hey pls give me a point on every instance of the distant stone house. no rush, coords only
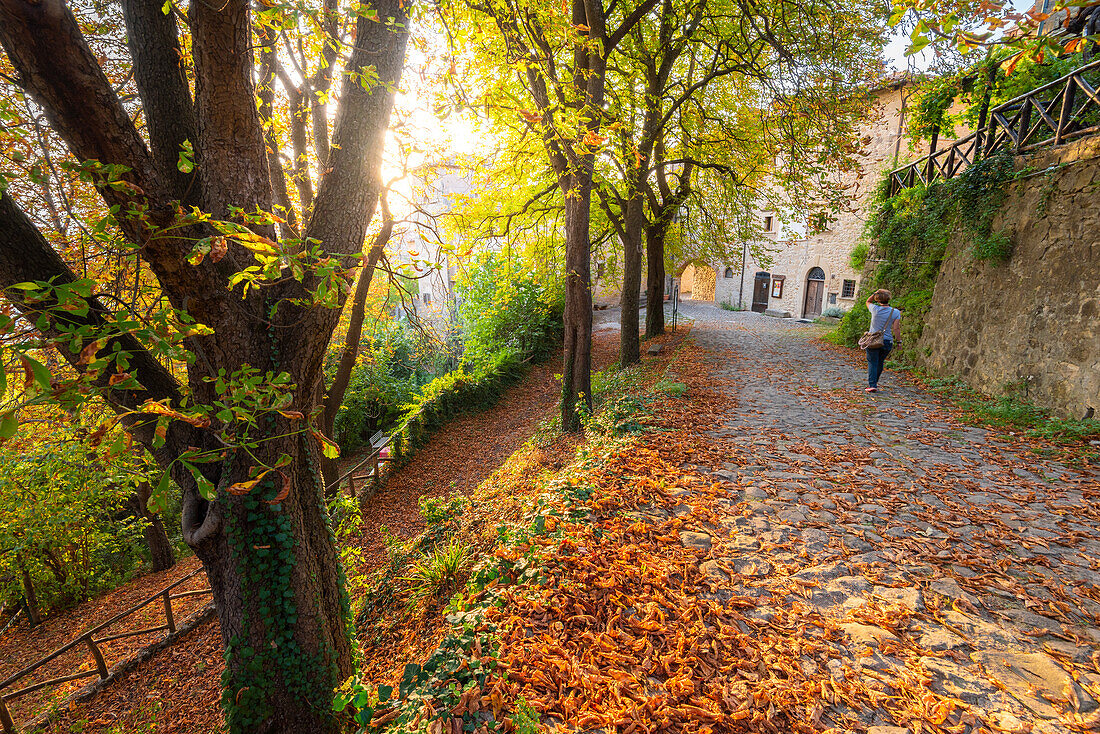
(810, 270)
(416, 242)
(808, 267)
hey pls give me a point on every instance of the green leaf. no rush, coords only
(340, 701)
(9, 424)
(160, 433)
(206, 487)
(186, 162)
(917, 46)
(40, 373)
(328, 448)
(384, 693)
(364, 716)
(158, 499)
(82, 287)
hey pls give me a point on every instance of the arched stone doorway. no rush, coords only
(815, 293)
(698, 282)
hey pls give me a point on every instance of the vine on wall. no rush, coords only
(907, 237)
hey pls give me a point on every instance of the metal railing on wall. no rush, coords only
(1057, 112)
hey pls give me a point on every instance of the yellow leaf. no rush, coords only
(246, 486)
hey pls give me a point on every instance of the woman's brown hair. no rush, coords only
(881, 296)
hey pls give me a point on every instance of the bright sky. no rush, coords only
(894, 52)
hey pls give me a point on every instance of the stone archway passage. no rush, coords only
(815, 293)
(698, 282)
(706, 281)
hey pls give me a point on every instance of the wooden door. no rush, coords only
(760, 292)
(815, 293)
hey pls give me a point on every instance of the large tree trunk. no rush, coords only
(655, 282)
(266, 545)
(161, 554)
(576, 376)
(629, 348)
(279, 591)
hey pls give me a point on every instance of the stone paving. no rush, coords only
(841, 499)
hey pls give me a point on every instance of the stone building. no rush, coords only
(803, 273)
(804, 268)
(418, 241)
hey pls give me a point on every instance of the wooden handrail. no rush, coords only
(1015, 123)
(87, 638)
(370, 458)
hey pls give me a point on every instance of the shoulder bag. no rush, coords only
(876, 339)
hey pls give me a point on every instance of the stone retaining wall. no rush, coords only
(1033, 321)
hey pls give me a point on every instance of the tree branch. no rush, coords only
(165, 97)
(26, 256)
(231, 153)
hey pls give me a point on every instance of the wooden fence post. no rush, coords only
(100, 663)
(1023, 119)
(5, 718)
(931, 170)
(1068, 98)
(168, 612)
(990, 138)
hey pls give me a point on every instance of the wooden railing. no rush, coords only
(378, 442)
(1055, 113)
(88, 639)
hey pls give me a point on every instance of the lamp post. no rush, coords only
(741, 290)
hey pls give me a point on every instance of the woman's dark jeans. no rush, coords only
(876, 358)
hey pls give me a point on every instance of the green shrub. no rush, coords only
(860, 253)
(525, 720)
(509, 319)
(59, 521)
(675, 389)
(853, 325)
(501, 309)
(440, 573)
(440, 510)
(1013, 410)
(393, 364)
(908, 235)
(469, 388)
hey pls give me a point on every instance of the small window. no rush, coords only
(832, 299)
(849, 289)
(729, 272)
(768, 223)
(427, 298)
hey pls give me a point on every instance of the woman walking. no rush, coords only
(886, 319)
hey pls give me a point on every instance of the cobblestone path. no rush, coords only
(868, 507)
